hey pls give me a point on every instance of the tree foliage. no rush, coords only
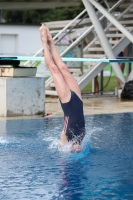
(38, 16)
(46, 15)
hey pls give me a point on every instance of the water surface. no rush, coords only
(33, 167)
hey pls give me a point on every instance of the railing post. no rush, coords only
(101, 82)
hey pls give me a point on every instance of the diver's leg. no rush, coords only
(63, 139)
(69, 79)
(60, 84)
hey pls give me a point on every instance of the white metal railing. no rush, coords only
(90, 29)
(112, 20)
(108, 26)
(81, 37)
(60, 32)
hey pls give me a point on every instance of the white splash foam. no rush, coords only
(54, 143)
(66, 148)
(49, 139)
(3, 141)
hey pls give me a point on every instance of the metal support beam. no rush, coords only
(130, 77)
(112, 20)
(104, 42)
(89, 29)
(107, 4)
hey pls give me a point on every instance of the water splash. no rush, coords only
(3, 141)
(53, 142)
(85, 150)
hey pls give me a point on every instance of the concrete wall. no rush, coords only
(2, 96)
(19, 39)
(22, 96)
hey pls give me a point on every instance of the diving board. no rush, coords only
(12, 59)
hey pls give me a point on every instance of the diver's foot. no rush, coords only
(49, 36)
(43, 33)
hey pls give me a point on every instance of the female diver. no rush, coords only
(68, 92)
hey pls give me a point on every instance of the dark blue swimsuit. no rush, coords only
(74, 123)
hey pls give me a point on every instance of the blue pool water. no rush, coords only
(33, 167)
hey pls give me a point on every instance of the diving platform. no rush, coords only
(21, 93)
(22, 96)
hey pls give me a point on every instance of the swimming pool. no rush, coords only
(33, 167)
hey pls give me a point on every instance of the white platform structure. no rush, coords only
(104, 43)
(23, 96)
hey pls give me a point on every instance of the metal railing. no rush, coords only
(82, 35)
(60, 32)
(90, 29)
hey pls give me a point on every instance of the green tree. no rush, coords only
(46, 15)
(38, 16)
